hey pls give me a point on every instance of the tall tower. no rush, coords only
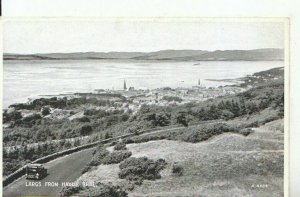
(198, 82)
(125, 88)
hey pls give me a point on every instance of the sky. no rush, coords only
(63, 36)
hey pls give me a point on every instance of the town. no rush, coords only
(164, 96)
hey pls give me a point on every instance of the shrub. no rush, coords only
(120, 146)
(245, 131)
(162, 119)
(116, 157)
(183, 119)
(12, 116)
(103, 156)
(135, 130)
(145, 138)
(107, 190)
(31, 118)
(138, 169)
(69, 191)
(86, 130)
(177, 169)
(45, 111)
(99, 155)
(252, 124)
(198, 135)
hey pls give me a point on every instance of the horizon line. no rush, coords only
(9, 53)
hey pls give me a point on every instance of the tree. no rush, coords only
(45, 149)
(29, 154)
(162, 119)
(182, 119)
(251, 107)
(5, 153)
(235, 108)
(86, 130)
(39, 149)
(243, 106)
(45, 111)
(12, 116)
(213, 112)
(226, 115)
(25, 152)
(67, 144)
(107, 135)
(221, 105)
(77, 142)
(202, 114)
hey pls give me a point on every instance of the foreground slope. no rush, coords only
(228, 164)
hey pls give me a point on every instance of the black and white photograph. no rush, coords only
(144, 107)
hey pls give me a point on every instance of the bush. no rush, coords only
(183, 119)
(177, 169)
(116, 157)
(145, 138)
(45, 111)
(69, 191)
(86, 130)
(12, 116)
(103, 156)
(245, 131)
(138, 169)
(99, 155)
(120, 146)
(106, 190)
(198, 135)
(31, 118)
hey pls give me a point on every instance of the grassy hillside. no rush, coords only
(229, 164)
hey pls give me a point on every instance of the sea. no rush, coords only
(23, 80)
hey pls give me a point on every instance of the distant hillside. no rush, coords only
(175, 55)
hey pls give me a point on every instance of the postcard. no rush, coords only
(145, 107)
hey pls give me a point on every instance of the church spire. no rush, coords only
(125, 88)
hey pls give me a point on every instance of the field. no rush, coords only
(230, 164)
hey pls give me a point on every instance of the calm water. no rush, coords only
(29, 79)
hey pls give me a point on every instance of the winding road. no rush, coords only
(64, 169)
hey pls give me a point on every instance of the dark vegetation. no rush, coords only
(105, 124)
(103, 156)
(17, 157)
(172, 98)
(106, 190)
(138, 169)
(192, 134)
(70, 191)
(177, 169)
(101, 190)
(265, 96)
(120, 146)
(35, 128)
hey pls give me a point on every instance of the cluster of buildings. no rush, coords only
(171, 96)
